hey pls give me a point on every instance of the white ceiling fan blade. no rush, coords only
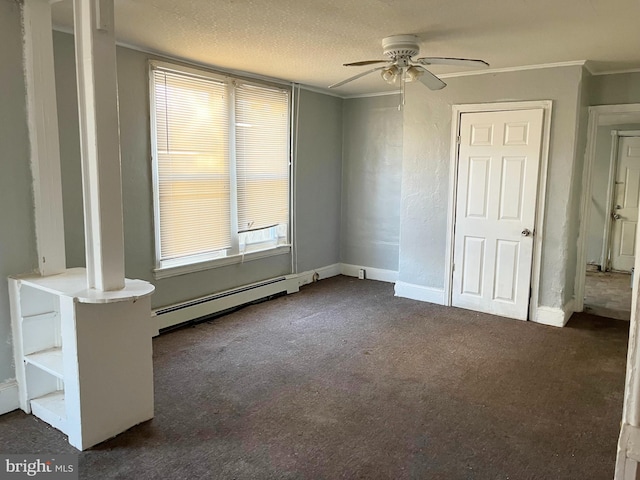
(355, 77)
(461, 62)
(429, 79)
(364, 62)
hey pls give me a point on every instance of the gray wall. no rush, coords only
(615, 89)
(600, 179)
(425, 176)
(17, 235)
(372, 174)
(319, 174)
(320, 143)
(68, 129)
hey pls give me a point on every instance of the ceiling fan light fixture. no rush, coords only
(390, 74)
(400, 66)
(413, 74)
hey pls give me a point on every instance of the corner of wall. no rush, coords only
(311, 276)
(370, 273)
(554, 317)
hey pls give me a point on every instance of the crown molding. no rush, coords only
(580, 63)
(366, 95)
(616, 72)
(319, 90)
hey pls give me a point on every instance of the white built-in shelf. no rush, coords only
(115, 390)
(73, 283)
(51, 408)
(49, 360)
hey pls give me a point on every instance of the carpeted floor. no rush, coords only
(342, 380)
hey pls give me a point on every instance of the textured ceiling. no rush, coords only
(307, 41)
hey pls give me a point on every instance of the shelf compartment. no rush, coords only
(40, 316)
(49, 360)
(40, 332)
(35, 302)
(51, 409)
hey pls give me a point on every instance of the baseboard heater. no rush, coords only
(219, 302)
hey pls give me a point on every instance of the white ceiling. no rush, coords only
(307, 41)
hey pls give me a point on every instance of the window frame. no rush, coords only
(199, 262)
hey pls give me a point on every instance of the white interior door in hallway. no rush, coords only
(498, 170)
(625, 213)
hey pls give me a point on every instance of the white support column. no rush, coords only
(43, 136)
(100, 142)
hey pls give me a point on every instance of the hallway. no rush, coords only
(608, 294)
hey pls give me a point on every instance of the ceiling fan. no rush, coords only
(400, 66)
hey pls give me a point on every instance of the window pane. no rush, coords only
(262, 156)
(192, 161)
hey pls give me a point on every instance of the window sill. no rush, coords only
(166, 272)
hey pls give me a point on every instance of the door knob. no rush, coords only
(526, 232)
(616, 216)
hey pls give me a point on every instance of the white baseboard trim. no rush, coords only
(304, 278)
(329, 271)
(9, 397)
(555, 317)
(371, 273)
(418, 292)
(307, 277)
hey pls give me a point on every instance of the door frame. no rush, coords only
(599, 115)
(613, 172)
(457, 111)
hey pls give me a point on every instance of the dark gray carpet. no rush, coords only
(342, 380)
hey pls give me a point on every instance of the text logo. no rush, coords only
(51, 467)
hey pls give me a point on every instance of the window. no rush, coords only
(221, 167)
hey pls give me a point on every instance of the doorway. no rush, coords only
(608, 283)
(611, 192)
(626, 193)
(496, 269)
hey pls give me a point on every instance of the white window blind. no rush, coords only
(221, 167)
(262, 146)
(192, 149)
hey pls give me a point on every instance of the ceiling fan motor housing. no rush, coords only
(400, 46)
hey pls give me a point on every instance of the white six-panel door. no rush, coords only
(625, 214)
(497, 185)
